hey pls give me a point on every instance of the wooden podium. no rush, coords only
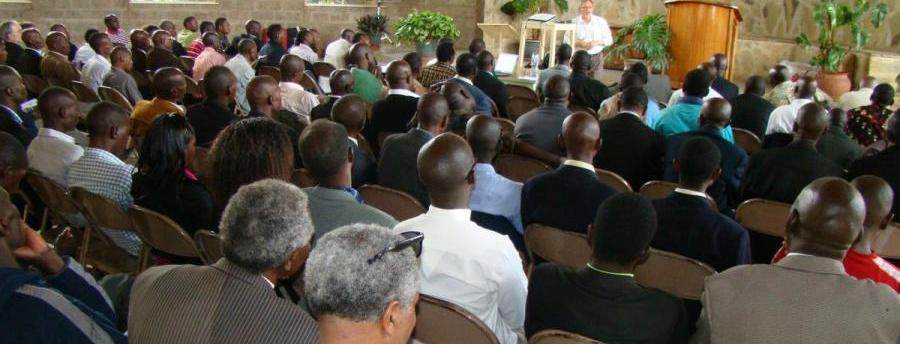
(496, 33)
(700, 28)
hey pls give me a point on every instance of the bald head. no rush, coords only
(710, 69)
(805, 88)
(32, 38)
(811, 123)
(359, 55)
(292, 68)
(58, 108)
(169, 84)
(755, 85)
(57, 42)
(140, 39)
(350, 111)
(826, 218)
(483, 135)
(324, 148)
(12, 90)
(211, 39)
(581, 136)
(717, 112)
(399, 74)
(459, 99)
(556, 90)
(432, 113)
(162, 39)
(263, 94)
(878, 198)
(444, 165)
(341, 82)
(103, 116)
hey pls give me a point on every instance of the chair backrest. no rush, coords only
(33, 83)
(54, 82)
(193, 88)
(439, 321)
(889, 247)
(614, 180)
(272, 71)
(323, 68)
(516, 107)
(52, 194)
(84, 94)
(577, 107)
(209, 244)
(557, 245)
(114, 96)
(188, 61)
(560, 337)
(519, 168)
(309, 83)
(161, 233)
(302, 179)
(657, 189)
(200, 165)
(101, 211)
(519, 91)
(674, 274)
(506, 126)
(746, 140)
(764, 216)
(394, 202)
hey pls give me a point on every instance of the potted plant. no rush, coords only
(647, 38)
(514, 7)
(829, 16)
(374, 25)
(425, 29)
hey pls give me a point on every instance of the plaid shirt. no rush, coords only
(436, 73)
(104, 174)
(866, 124)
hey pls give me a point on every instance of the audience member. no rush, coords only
(210, 56)
(12, 94)
(860, 97)
(366, 84)
(592, 34)
(563, 55)
(241, 66)
(476, 46)
(170, 87)
(462, 106)
(176, 46)
(711, 72)
(394, 113)
(55, 64)
(196, 47)
(302, 47)
(266, 232)
(29, 61)
(825, 221)
(415, 64)
(542, 126)
(293, 97)
(782, 118)
(223, 29)
(601, 300)
(117, 36)
(252, 29)
(489, 84)
(630, 148)
(884, 164)
(443, 69)
(568, 197)
(13, 164)
(12, 37)
(336, 52)
(835, 144)
(119, 77)
(211, 116)
(270, 53)
(163, 55)
(726, 88)
(780, 85)
(750, 110)
(633, 77)
(98, 66)
(189, 33)
(683, 116)
(140, 46)
(341, 84)
(493, 194)
(53, 150)
(350, 112)
(586, 91)
(85, 53)
(466, 71)
(264, 96)
(866, 124)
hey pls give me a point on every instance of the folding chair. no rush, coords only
(439, 321)
(582, 108)
(746, 140)
(889, 247)
(557, 245)
(614, 180)
(193, 88)
(764, 216)
(396, 203)
(272, 71)
(519, 91)
(209, 244)
(657, 189)
(323, 68)
(160, 233)
(506, 126)
(59, 207)
(84, 94)
(516, 107)
(188, 61)
(674, 274)
(104, 213)
(309, 83)
(519, 168)
(560, 337)
(34, 84)
(114, 96)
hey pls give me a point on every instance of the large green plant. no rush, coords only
(372, 24)
(829, 16)
(424, 27)
(650, 36)
(514, 7)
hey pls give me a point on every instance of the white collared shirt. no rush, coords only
(297, 100)
(782, 118)
(676, 96)
(52, 152)
(596, 29)
(84, 54)
(354, 140)
(268, 281)
(336, 52)
(496, 195)
(855, 99)
(464, 79)
(799, 254)
(304, 52)
(473, 267)
(402, 92)
(243, 72)
(580, 164)
(692, 193)
(94, 71)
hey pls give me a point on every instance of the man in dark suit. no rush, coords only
(750, 110)
(466, 70)
(487, 82)
(350, 111)
(270, 54)
(29, 61)
(341, 83)
(12, 37)
(215, 112)
(836, 145)
(780, 174)
(885, 164)
(140, 44)
(55, 63)
(252, 29)
(630, 148)
(714, 116)
(726, 88)
(397, 168)
(568, 197)
(541, 127)
(162, 54)
(688, 224)
(393, 113)
(176, 47)
(601, 300)
(586, 91)
(12, 93)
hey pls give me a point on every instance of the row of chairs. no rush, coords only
(520, 168)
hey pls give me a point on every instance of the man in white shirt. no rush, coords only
(53, 151)
(592, 33)
(860, 97)
(293, 97)
(781, 121)
(464, 263)
(302, 48)
(243, 71)
(85, 53)
(336, 52)
(97, 67)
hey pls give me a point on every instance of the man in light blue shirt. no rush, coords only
(684, 115)
(563, 55)
(493, 194)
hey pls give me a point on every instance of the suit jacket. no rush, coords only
(630, 149)
(886, 165)
(29, 62)
(800, 299)
(9, 125)
(332, 208)
(482, 101)
(612, 309)
(689, 226)
(838, 147)
(726, 190)
(13, 51)
(587, 91)
(270, 54)
(145, 112)
(726, 88)
(780, 174)
(139, 57)
(365, 167)
(566, 198)
(323, 110)
(751, 112)
(208, 119)
(397, 168)
(495, 89)
(541, 127)
(56, 65)
(178, 49)
(159, 58)
(390, 115)
(219, 303)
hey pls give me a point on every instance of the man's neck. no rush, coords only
(221, 101)
(342, 180)
(451, 200)
(611, 267)
(334, 330)
(400, 86)
(863, 246)
(587, 158)
(102, 145)
(699, 188)
(431, 130)
(268, 111)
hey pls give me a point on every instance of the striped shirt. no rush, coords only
(119, 37)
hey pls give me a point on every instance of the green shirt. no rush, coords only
(185, 37)
(367, 86)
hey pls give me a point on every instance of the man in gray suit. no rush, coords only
(807, 296)
(397, 168)
(266, 231)
(542, 127)
(333, 202)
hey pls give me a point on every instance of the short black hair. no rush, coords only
(245, 45)
(95, 39)
(634, 96)
(207, 26)
(640, 70)
(698, 158)
(755, 85)
(324, 148)
(220, 21)
(883, 94)
(217, 80)
(414, 61)
(623, 228)
(12, 152)
(630, 79)
(445, 51)
(273, 30)
(581, 61)
(151, 28)
(187, 20)
(90, 32)
(108, 18)
(563, 53)
(485, 60)
(301, 36)
(696, 83)
(466, 64)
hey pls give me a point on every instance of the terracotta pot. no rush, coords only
(835, 84)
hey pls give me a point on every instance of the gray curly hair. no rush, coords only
(263, 223)
(340, 281)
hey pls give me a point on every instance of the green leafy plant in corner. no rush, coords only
(373, 24)
(514, 7)
(829, 16)
(650, 36)
(422, 27)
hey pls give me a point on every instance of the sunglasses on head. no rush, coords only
(410, 240)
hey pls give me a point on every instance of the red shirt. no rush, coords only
(864, 266)
(196, 48)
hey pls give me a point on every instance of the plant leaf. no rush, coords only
(878, 14)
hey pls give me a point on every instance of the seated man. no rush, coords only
(493, 194)
(55, 63)
(711, 71)
(462, 106)
(586, 91)
(443, 69)
(161, 55)
(341, 83)
(466, 71)
(98, 66)
(397, 167)
(210, 55)
(169, 86)
(357, 297)
(366, 84)
(270, 54)
(336, 51)
(781, 121)
(394, 113)
(884, 164)
(263, 96)
(688, 224)
(568, 197)
(465, 264)
(53, 150)
(240, 66)
(266, 230)
(542, 126)
(293, 97)
(630, 148)
(119, 77)
(13, 120)
(59, 303)
(866, 124)
(630, 78)
(350, 112)
(836, 145)
(726, 88)
(601, 300)
(29, 61)
(333, 202)
(214, 113)
(807, 294)
(750, 110)
(490, 84)
(563, 57)
(683, 116)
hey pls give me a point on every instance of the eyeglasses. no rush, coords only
(410, 240)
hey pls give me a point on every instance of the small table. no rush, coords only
(552, 28)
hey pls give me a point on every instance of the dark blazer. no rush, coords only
(190, 207)
(500, 225)
(587, 91)
(689, 226)
(208, 119)
(482, 101)
(29, 62)
(178, 49)
(390, 115)
(73, 50)
(397, 168)
(780, 174)
(838, 147)
(495, 89)
(139, 57)
(751, 112)
(612, 309)
(726, 88)
(159, 58)
(726, 190)
(270, 54)
(233, 49)
(365, 168)
(886, 165)
(566, 198)
(777, 140)
(9, 125)
(631, 149)
(323, 110)
(12, 54)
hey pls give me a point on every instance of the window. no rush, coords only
(175, 2)
(342, 3)
(15, 1)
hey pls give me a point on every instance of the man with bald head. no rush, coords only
(726, 88)
(884, 164)
(29, 61)
(860, 97)
(341, 83)
(169, 86)
(782, 118)
(210, 56)
(241, 66)
(462, 106)
(836, 145)
(362, 66)
(119, 76)
(264, 96)
(397, 167)
(13, 120)
(53, 150)
(866, 124)
(630, 148)
(780, 85)
(215, 113)
(393, 113)
(586, 91)
(568, 197)
(493, 194)
(750, 110)
(162, 54)
(55, 63)
(541, 127)
(808, 294)
(465, 264)
(293, 97)
(350, 112)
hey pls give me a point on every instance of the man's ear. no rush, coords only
(645, 255)
(390, 317)
(716, 174)
(882, 226)
(599, 143)
(590, 235)
(350, 153)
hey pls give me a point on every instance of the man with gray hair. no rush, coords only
(12, 38)
(266, 230)
(362, 283)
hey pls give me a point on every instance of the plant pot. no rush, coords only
(427, 48)
(375, 39)
(834, 84)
